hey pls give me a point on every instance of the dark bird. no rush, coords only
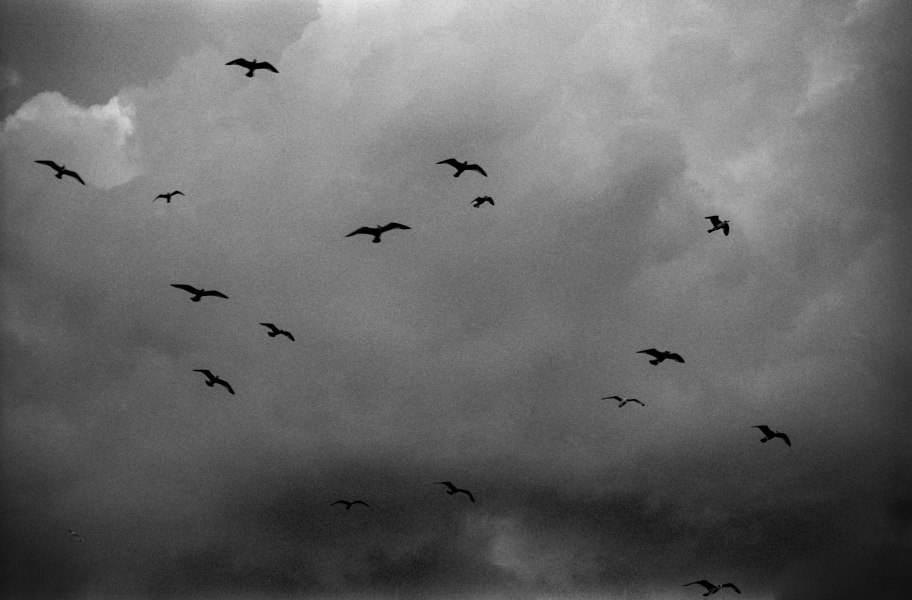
(717, 224)
(660, 355)
(770, 434)
(252, 66)
(462, 166)
(167, 197)
(623, 401)
(348, 504)
(711, 588)
(378, 230)
(198, 294)
(274, 331)
(61, 171)
(481, 200)
(455, 490)
(213, 379)
(73, 534)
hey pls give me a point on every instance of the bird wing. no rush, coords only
(448, 484)
(165, 196)
(360, 502)
(270, 326)
(651, 352)
(392, 225)
(613, 398)
(185, 287)
(224, 383)
(725, 229)
(74, 175)
(285, 333)
(205, 372)
(175, 192)
(49, 163)
(702, 582)
(469, 494)
(785, 438)
(765, 429)
(731, 585)
(714, 220)
(476, 168)
(637, 401)
(341, 502)
(240, 61)
(452, 162)
(367, 230)
(266, 65)
(673, 356)
(215, 293)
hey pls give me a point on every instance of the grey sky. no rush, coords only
(476, 346)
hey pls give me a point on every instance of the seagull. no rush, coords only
(198, 294)
(623, 401)
(213, 379)
(348, 504)
(61, 170)
(770, 434)
(75, 535)
(712, 588)
(274, 331)
(462, 166)
(717, 224)
(252, 66)
(455, 490)
(167, 197)
(660, 355)
(481, 200)
(378, 230)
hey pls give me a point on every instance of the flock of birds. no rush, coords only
(212, 380)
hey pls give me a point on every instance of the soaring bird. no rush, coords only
(378, 230)
(73, 534)
(61, 170)
(660, 355)
(481, 200)
(717, 224)
(455, 490)
(252, 65)
(712, 588)
(167, 197)
(274, 331)
(197, 293)
(348, 504)
(770, 434)
(623, 401)
(462, 166)
(213, 379)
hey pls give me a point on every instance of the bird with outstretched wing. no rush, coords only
(61, 170)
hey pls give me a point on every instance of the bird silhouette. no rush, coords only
(73, 534)
(712, 588)
(167, 197)
(481, 200)
(455, 490)
(378, 230)
(660, 355)
(348, 504)
(717, 224)
(274, 331)
(770, 434)
(462, 166)
(623, 401)
(61, 170)
(252, 65)
(198, 293)
(213, 379)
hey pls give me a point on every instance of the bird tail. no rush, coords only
(765, 440)
(250, 73)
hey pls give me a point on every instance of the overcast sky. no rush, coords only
(475, 347)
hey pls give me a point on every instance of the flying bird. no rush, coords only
(61, 170)
(73, 534)
(213, 379)
(378, 230)
(481, 200)
(348, 504)
(274, 331)
(167, 197)
(455, 490)
(717, 224)
(660, 355)
(770, 434)
(197, 293)
(623, 401)
(252, 65)
(462, 166)
(712, 588)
